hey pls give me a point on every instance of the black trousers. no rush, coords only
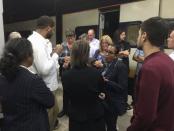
(89, 125)
(65, 103)
(111, 120)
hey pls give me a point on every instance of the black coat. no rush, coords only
(24, 102)
(82, 87)
(117, 74)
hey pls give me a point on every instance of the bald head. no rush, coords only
(14, 35)
(91, 34)
(171, 40)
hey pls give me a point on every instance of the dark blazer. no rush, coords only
(82, 87)
(117, 74)
(24, 102)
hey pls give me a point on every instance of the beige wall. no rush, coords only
(83, 18)
(2, 28)
(139, 11)
(167, 9)
(20, 26)
(25, 25)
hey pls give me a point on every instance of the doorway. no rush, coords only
(109, 22)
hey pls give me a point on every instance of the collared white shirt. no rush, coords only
(94, 45)
(172, 55)
(26, 69)
(44, 65)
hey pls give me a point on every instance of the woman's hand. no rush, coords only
(105, 79)
(102, 96)
(98, 64)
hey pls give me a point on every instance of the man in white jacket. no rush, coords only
(45, 63)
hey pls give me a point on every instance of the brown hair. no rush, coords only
(80, 54)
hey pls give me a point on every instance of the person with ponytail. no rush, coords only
(24, 96)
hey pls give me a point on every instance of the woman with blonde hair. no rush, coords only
(100, 54)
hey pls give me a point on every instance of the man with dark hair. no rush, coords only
(155, 86)
(46, 25)
(45, 64)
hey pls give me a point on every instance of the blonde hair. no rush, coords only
(107, 39)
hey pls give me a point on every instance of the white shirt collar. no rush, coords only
(26, 69)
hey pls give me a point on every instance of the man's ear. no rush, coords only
(144, 36)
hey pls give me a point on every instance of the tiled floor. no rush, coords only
(123, 121)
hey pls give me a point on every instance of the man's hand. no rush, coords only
(58, 49)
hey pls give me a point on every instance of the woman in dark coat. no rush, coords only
(115, 76)
(24, 95)
(83, 86)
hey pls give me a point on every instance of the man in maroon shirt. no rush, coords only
(154, 103)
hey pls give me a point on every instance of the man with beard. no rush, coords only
(45, 63)
(155, 86)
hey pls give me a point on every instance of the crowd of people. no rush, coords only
(94, 75)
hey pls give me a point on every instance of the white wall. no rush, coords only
(83, 18)
(139, 11)
(167, 9)
(25, 26)
(2, 29)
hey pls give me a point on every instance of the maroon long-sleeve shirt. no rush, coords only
(154, 105)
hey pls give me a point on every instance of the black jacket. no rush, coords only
(82, 87)
(24, 102)
(117, 74)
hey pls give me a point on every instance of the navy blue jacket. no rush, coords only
(24, 102)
